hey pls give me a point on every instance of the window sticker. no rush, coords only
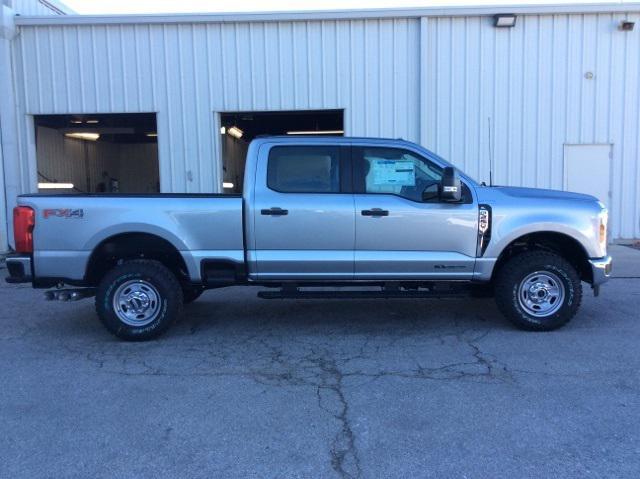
(393, 172)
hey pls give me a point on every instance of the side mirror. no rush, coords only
(450, 186)
(431, 193)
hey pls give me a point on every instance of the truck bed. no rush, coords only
(70, 226)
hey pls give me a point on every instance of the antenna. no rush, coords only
(490, 153)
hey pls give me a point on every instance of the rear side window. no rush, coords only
(304, 169)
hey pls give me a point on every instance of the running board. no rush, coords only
(383, 294)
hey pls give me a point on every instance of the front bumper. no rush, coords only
(601, 270)
(19, 267)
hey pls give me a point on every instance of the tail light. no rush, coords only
(24, 220)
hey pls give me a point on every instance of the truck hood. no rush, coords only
(539, 193)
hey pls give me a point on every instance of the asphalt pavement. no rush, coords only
(244, 387)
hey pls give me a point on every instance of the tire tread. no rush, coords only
(162, 276)
(510, 275)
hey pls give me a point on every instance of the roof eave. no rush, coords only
(454, 11)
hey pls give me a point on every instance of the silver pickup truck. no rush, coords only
(319, 218)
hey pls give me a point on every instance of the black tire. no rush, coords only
(161, 285)
(512, 302)
(189, 295)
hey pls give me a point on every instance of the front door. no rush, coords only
(303, 213)
(403, 231)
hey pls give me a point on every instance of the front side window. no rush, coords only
(396, 171)
(304, 169)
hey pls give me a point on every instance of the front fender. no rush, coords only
(508, 228)
(506, 232)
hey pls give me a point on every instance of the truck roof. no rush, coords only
(329, 139)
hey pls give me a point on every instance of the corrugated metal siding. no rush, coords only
(440, 81)
(4, 240)
(187, 73)
(523, 92)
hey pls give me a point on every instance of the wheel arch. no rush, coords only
(562, 244)
(133, 245)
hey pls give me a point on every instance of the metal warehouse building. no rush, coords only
(168, 103)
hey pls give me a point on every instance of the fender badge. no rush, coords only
(62, 213)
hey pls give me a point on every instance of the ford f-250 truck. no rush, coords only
(319, 218)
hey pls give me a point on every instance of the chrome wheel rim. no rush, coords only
(136, 303)
(541, 294)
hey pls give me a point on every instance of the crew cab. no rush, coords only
(319, 217)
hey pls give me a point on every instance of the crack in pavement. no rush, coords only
(344, 455)
(320, 362)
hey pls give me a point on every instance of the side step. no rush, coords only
(295, 293)
(69, 294)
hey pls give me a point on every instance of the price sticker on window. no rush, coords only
(393, 172)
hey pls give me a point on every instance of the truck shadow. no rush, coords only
(240, 309)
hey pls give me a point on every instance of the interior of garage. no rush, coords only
(239, 128)
(109, 153)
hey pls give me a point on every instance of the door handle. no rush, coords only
(274, 212)
(375, 212)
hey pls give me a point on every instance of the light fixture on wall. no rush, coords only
(152, 134)
(55, 186)
(315, 132)
(223, 130)
(235, 132)
(227, 186)
(627, 26)
(83, 135)
(504, 20)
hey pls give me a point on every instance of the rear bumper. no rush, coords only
(19, 267)
(601, 269)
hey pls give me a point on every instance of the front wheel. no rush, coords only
(138, 300)
(538, 291)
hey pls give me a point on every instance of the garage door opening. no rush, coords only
(239, 128)
(110, 153)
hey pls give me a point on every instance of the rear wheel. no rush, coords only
(538, 290)
(138, 300)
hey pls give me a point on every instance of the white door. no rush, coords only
(587, 169)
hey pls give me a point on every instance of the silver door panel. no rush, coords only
(314, 240)
(416, 240)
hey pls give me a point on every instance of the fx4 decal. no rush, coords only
(63, 213)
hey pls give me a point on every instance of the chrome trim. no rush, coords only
(601, 269)
(137, 303)
(541, 294)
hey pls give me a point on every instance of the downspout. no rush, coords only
(4, 227)
(7, 32)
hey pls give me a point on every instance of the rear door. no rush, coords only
(303, 213)
(401, 234)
